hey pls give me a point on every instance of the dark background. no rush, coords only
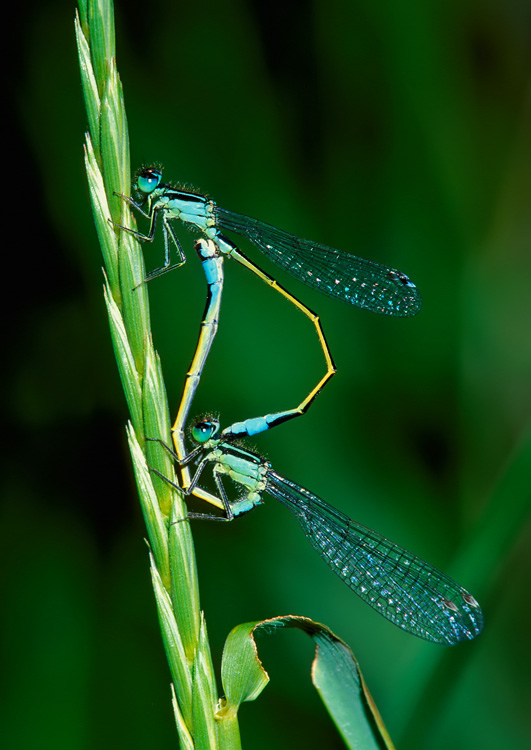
(395, 131)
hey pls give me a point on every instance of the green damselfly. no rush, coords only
(353, 280)
(409, 592)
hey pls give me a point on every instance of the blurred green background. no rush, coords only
(400, 132)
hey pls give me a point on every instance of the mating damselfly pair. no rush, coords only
(412, 594)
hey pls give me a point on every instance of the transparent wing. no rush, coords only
(406, 590)
(353, 280)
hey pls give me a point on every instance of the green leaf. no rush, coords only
(149, 501)
(101, 23)
(187, 742)
(173, 645)
(101, 213)
(125, 360)
(115, 141)
(335, 674)
(90, 86)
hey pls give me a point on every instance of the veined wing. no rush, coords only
(409, 592)
(346, 277)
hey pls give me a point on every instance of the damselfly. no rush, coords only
(353, 280)
(409, 592)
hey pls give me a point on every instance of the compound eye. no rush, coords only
(203, 431)
(148, 180)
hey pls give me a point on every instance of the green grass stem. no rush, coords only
(172, 556)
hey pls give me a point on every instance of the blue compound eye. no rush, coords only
(148, 180)
(203, 431)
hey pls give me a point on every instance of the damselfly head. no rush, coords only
(205, 430)
(148, 179)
